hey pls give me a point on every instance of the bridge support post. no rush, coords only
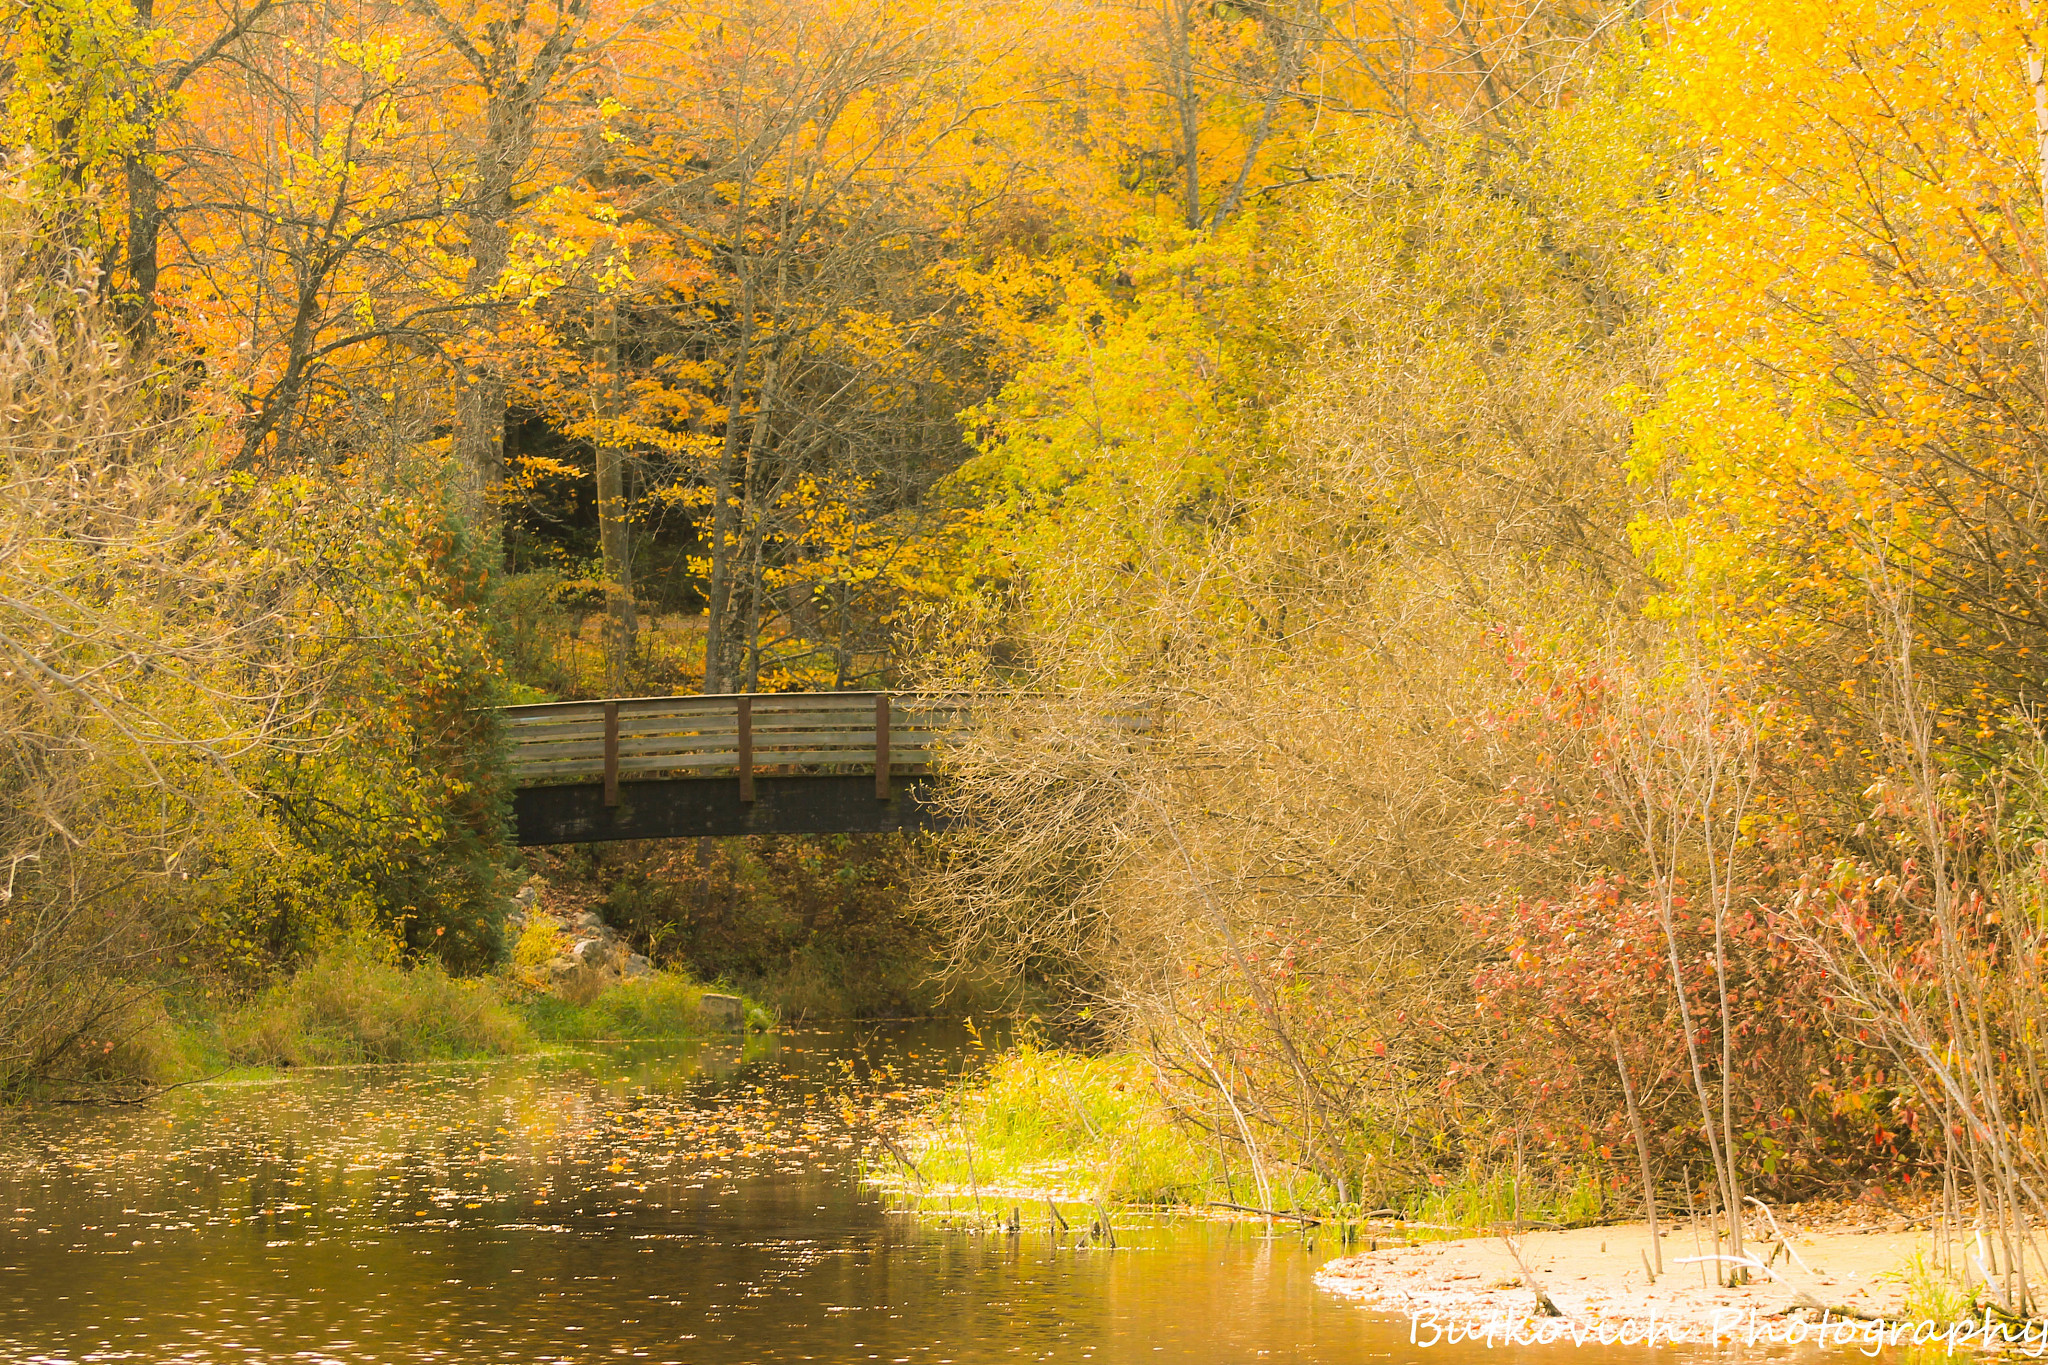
(746, 754)
(882, 747)
(611, 753)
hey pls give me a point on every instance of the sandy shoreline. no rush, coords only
(1598, 1276)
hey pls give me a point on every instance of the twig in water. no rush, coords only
(1102, 1230)
(1248, 1208)
(1303, 1218)
(902, 1158)
(153, 1092)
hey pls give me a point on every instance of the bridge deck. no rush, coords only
(740, 763)
(669, 767)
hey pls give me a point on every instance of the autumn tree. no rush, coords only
(146, 653)
(1296, 494)
(752, 316)
(1860, 383)
(512, 64)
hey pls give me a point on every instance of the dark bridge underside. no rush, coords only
(710, 807)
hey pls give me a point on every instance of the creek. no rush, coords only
(650, 1201)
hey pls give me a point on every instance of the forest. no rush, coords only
(1563, 479)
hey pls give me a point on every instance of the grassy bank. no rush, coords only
(1048, 1123)
(352, 1004)
(660, 1006)
(355, 1003)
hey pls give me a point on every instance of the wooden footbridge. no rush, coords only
(755, 763)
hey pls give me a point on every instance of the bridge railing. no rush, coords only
(706, 736)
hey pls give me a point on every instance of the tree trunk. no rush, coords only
(145, 226)
(145, 212)
(152, 95)
(480, 407)
(724, 528)
(480, 393)
(1288, 39)
(1177, 23)
(512, 103)
(621, 624)
(750, 670)
(1635, 1123)
(755, 506)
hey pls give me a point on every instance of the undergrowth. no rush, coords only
(1933, 1295)
(659, 1006)
(1045, 1119)
(1482, 1197)
(815, 926)
(356, 1001)
(1050, 1122)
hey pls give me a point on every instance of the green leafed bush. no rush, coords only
(652, 1007)
(354, 1003)
(1046, 1119)
(663, 1005)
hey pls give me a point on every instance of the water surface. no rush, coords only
(665, 1202)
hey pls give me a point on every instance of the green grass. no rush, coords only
(1483, 1198)
(353, 1003)
(658, 1006)
(1047, 1120)
(1932, 1295)
(1059, 1123)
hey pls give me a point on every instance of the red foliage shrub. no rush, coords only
(1812, 1109)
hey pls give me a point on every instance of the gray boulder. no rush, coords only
(722, 1013)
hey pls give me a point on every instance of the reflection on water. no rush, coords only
(667, 1202)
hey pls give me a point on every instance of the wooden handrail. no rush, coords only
(735, 733)
(739, 733)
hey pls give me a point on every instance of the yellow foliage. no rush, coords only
(1853, 419)
(539, 943)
